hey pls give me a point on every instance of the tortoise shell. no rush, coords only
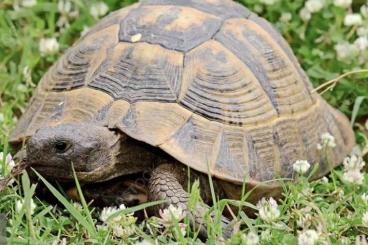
(207, 81)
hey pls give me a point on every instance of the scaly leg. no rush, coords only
(166, 183)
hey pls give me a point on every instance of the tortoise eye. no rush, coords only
(61, 146)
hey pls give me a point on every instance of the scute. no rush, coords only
(140, 72)
(173, 27)
(214, 7)
(219, 86)
(273, 68)
(80, 62)
(207, 81)
(79, 105)
(150, 122)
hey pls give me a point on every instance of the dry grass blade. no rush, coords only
(332, 83)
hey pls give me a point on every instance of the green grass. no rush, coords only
(331, 207)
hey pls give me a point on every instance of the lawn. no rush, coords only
(330, 40)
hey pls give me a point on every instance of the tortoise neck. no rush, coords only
(133, 157)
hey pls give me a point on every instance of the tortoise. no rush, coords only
(167, 87)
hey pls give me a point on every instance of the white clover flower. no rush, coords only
(364, 198)
(8, 163)
(144, 242)
(123, 232)
(286, 17)
(308, 237)
(28, 3)
(365, 219)
(361, 240)
(268, 210)
(354, 177)
(361, 43)
(19, 205)
(107, 212)
(98, 9)
(362, 31)
(252, 238)
(353, 162)
(343, 3)
(48, 46)
(327, 141)
(172, 214)
(301, 166)
(364, 10)
(67, 11)
(269, 2)
(345, 51)
(305, 14)
(353, 20)
(324, 179)
(64, 6)
(314, 6)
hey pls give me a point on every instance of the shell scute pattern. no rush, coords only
(220, 91)
(173, 27)
(213, 7)
(219, 86)
(137, 72)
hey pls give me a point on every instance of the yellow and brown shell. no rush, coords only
(207, 81)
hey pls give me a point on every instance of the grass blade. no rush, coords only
(83, 200)
(71, 209)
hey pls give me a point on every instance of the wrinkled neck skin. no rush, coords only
(132, 157)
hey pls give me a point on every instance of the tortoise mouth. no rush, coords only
(65, 175)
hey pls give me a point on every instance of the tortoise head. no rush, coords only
(90, 148)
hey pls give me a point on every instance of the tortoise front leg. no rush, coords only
(166, 183)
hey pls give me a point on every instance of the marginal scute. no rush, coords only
(76, 67)
(311, 126)
(233, 155)
(330, 120)
(270, 64)
(265, 163)
(217, 85)
(43, 109)
(20, 132)
(290, 144)
(173, 27)
(153, 122)
(214, 7)
(140, 72)
(195, 143)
